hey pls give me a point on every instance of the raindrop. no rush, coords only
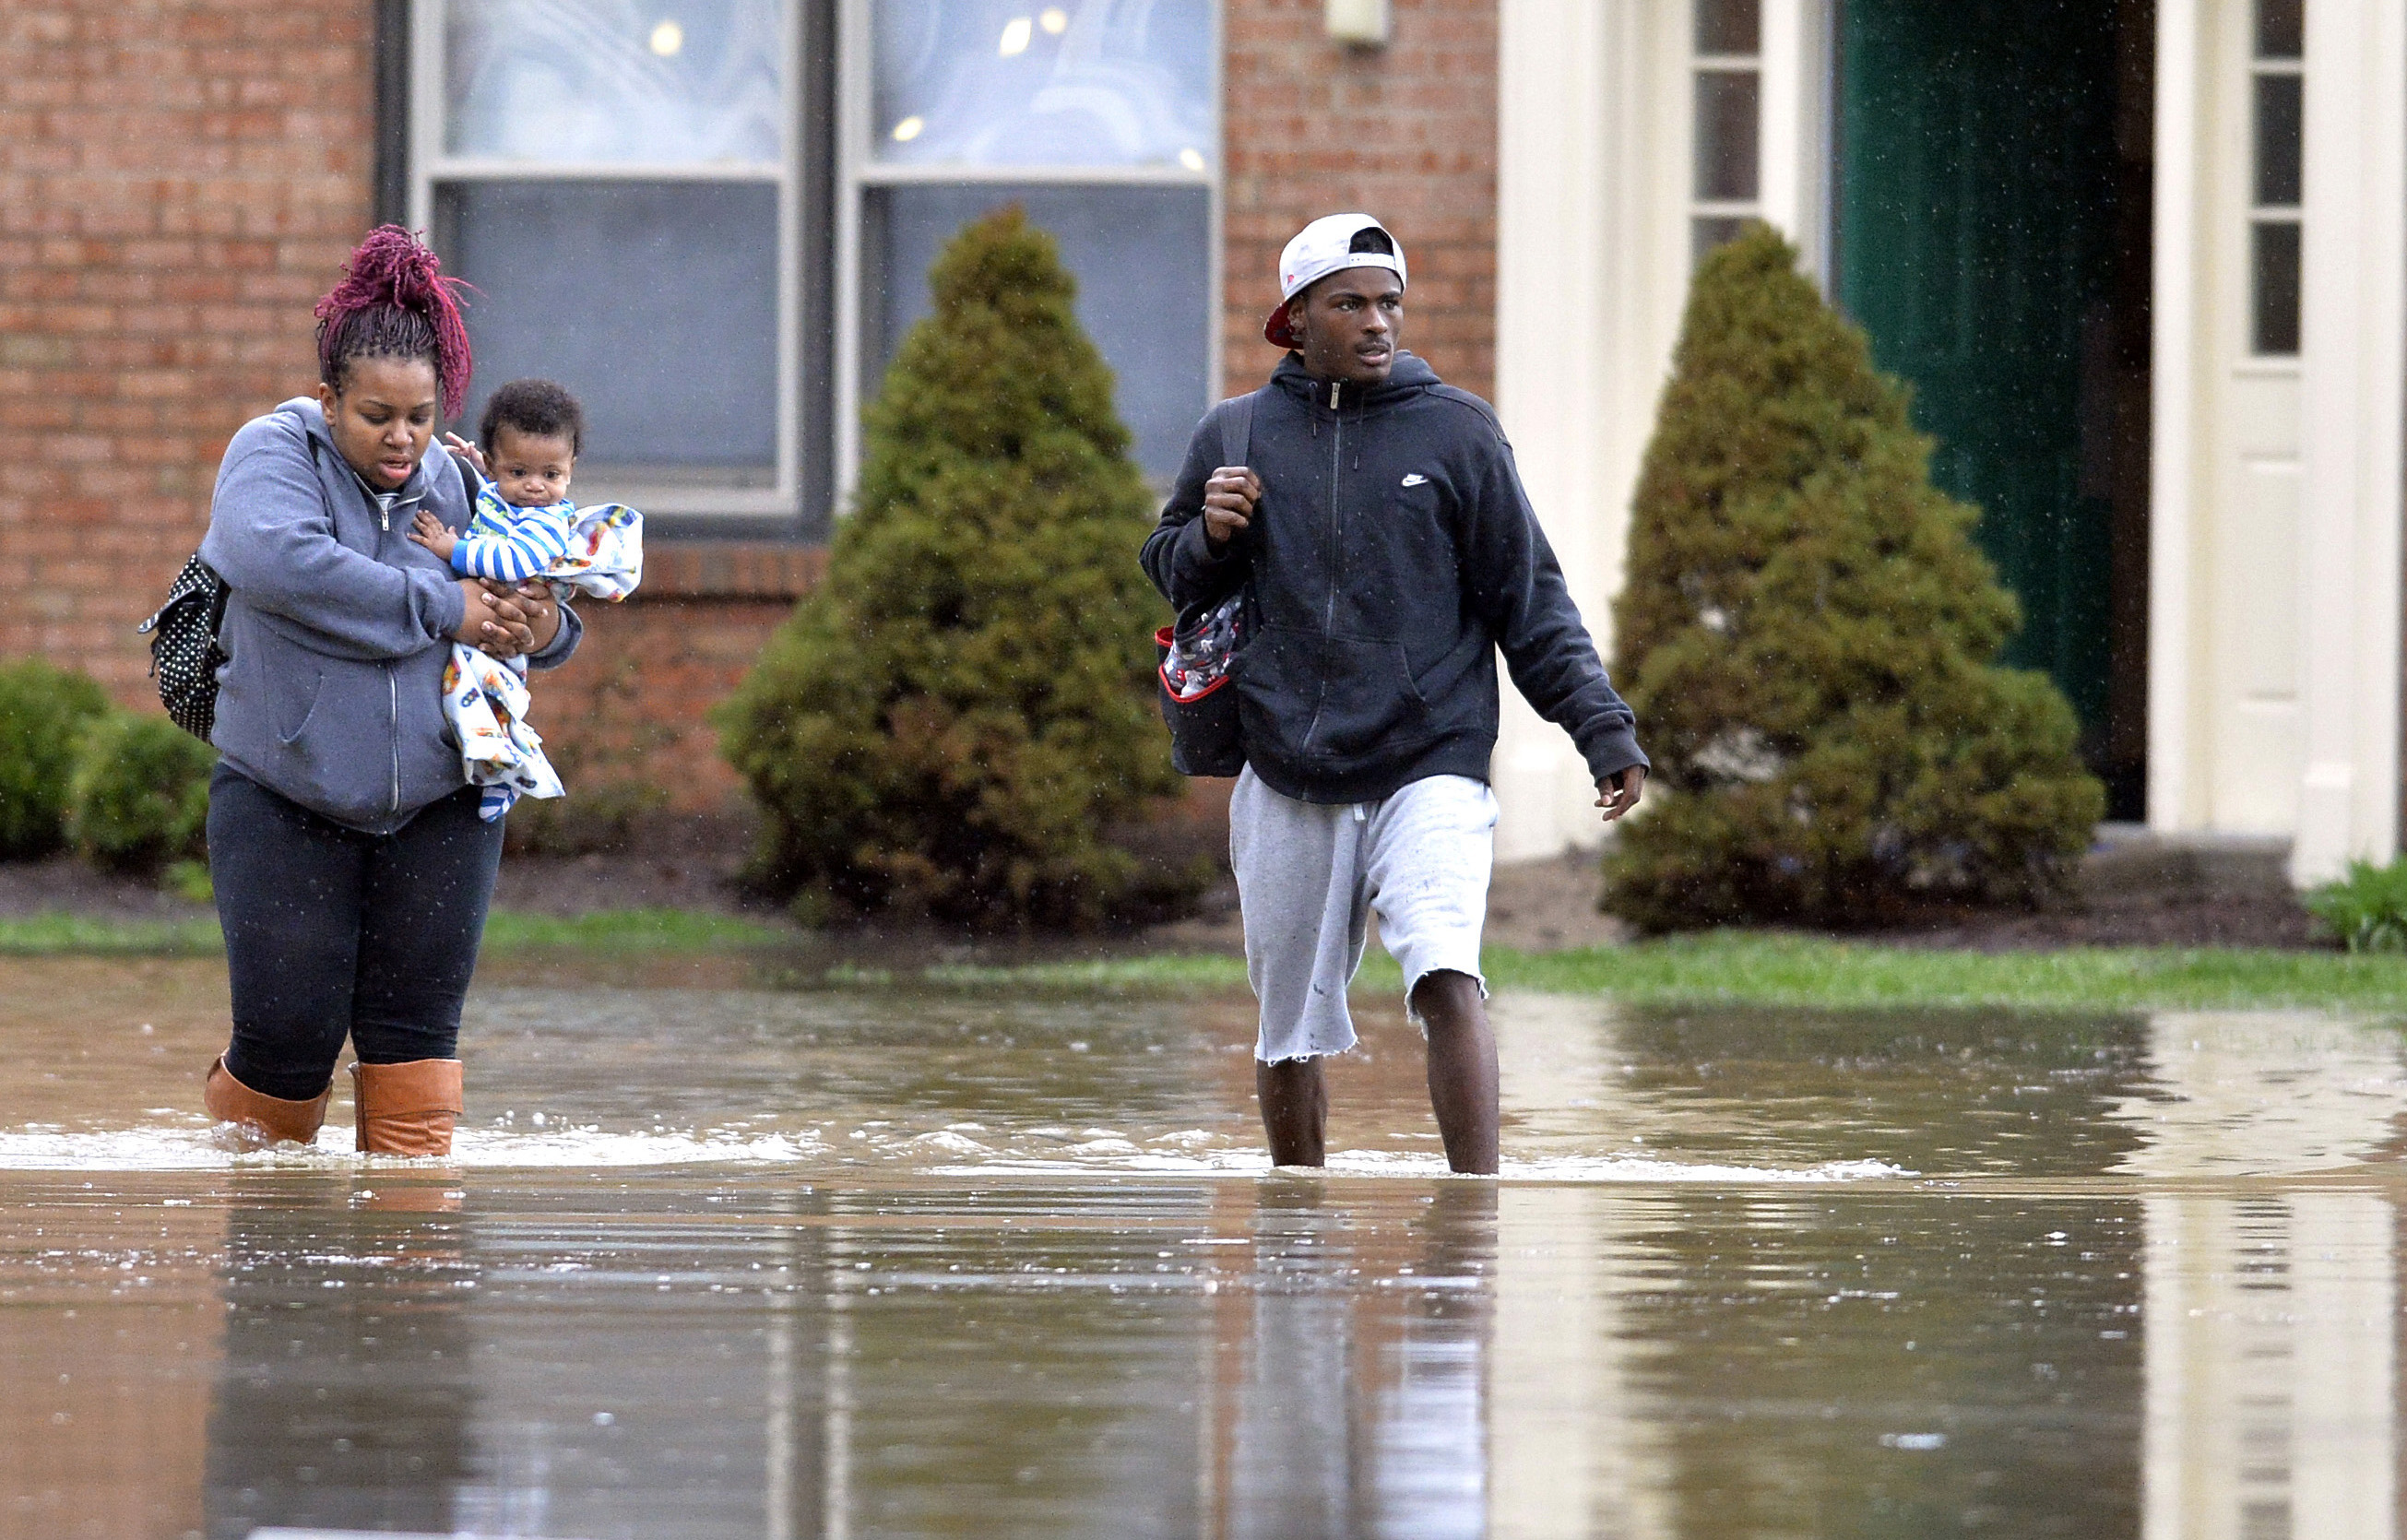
(1914, 1441)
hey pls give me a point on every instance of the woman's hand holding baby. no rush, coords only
(505, 621)
(428, 531)
(535, 602)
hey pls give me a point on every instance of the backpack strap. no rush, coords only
(1237, 428)
(1462, 398)
(468, 486)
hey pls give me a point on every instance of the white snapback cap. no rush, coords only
(1319, 248)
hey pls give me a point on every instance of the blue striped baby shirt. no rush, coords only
(511, 545)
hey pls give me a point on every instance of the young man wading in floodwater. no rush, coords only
(1392, 553)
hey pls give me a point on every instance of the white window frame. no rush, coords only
(430, 165)
(859, 172)
(1700, 66)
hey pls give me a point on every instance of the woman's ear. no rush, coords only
(327, 396)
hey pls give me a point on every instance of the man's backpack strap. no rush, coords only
(1237, 428)
(1486, 412)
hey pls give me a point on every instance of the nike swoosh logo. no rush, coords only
(1415, 479)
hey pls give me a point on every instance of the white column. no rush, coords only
(1592, 268)
(2353, 349)
(1594, 124)
(1796, 144)
(1553, 254)
(2175, 711)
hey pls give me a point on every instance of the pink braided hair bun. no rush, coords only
(394, 268)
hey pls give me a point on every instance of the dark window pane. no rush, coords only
(1726, 137)
(2274, 263)
(2280, 29)
(2279, 158)
(655, 302)
(1711, 229)
(1730, 26)
(1141, 256)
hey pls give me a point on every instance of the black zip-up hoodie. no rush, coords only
(1392, 554)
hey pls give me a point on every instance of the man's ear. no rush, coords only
(1295, 308)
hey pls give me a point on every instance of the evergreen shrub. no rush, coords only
(953, 720)
(43, 710)
(139, 797)
(1809, 637)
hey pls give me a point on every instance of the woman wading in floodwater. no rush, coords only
(351, 870)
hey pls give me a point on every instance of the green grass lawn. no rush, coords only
(1740, 967)
(1723, 968)
(1776, 970)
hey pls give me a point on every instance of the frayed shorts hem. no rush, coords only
(1301, 1057)
(1310, 877)
(1413, 1012)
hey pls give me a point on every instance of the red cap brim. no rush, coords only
(1276, 330)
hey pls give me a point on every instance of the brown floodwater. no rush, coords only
(715, 1259)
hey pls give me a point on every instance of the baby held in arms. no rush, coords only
(524, 527)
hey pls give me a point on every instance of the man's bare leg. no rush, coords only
(1461, 1068)
(1295, 1111)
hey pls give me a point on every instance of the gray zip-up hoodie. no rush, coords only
(337, 627)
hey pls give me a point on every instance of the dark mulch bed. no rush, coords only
(64, 885)
(2172, 920)
(665, 861)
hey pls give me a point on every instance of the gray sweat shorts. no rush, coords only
(1309, 875)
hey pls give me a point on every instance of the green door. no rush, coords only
(1976, 243)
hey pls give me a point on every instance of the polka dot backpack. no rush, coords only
(184, 653)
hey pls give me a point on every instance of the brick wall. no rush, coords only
(180, 179)
(635, 703)
(1407, 133)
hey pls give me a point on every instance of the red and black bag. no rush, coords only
(1196, 658)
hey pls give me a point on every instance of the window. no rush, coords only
(713, 220)
(1728, 176)
(2277, 175)
(1101, 119)
(624, 183)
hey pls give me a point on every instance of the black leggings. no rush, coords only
(332, 934)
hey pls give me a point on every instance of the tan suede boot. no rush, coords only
(408, 1109)
(260, 1120)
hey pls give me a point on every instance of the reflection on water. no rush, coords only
(742, 1262)
(2272, 1355)
(347, 1385)
(1350, 1413)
